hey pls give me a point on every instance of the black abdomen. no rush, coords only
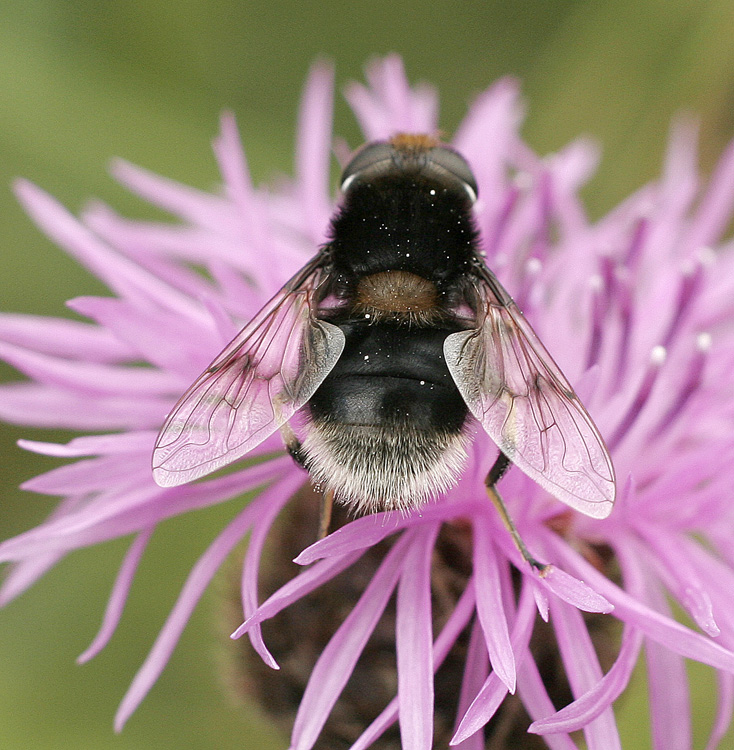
(391, 375)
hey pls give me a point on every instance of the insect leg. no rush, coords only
(293, 444)
(497, 471)
(499, 467)
(327, 502)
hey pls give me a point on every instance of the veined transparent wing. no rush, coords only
(268, 372)
(513, 387)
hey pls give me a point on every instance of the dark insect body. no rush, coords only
(394, 341)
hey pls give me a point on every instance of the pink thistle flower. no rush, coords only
(637, 310)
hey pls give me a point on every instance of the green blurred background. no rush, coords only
(83, 81)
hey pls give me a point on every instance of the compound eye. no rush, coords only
(411, 154)
(374, 157)
(455, 164)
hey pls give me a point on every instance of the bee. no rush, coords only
(392, 343)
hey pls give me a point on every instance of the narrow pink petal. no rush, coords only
(724, 709)
(63, 338)
(359, 534)
(584, 672)
(313, 151)
(253, 240)
(187, 202)
(679, 182)
(575, 591)
(113, 516)
(94, 445)
(585, 709)
(535, 698)
(178, 277)
(676, 191)
(413, 643)
(158, 247)
(91, 475)
(337, 660)
(251, 564)
(490, 608)
(663, 630)
(481, 711)
(372, 122)
(242, 302)
(493, 691)
(485, 135)
(680, 577)
(454, 626)
(160, 337)
(119, 273)
(715, 206)
(568, 171)
(577, 651)
(118, 597)
(520, 226)
(197, 581)
(680, 165)
(476, 667)
(720, 588)
(571, 168)
(369, 530)
(425, 109)
(557, 581)
(145, 505)
(408, 110)
(389, 105)
(670, 709)
(222, 320)
(233, 166)
(146, 239)
(47, 406)
(670, 703)
(719, 577)
(302, 585)
(89, 377)
(541, 601)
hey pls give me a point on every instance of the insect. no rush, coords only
(392, 343)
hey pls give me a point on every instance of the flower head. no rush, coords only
(636, 308)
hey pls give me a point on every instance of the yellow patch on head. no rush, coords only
(413, 143)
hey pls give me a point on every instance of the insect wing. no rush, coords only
(271, 368)
(513, 387)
